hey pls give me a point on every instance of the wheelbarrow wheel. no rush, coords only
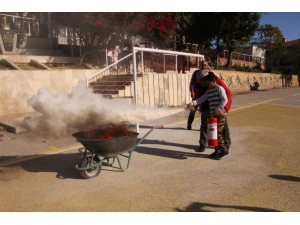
(93, 172)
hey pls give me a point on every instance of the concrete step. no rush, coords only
(58, 60)
(27, 66)
(3, 67)
(12, 123)
(110, 83)
(121, 76)
(109, 88)
(115, 86)
(107, 92)
(39, 52)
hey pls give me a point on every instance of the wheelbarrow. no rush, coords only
(112, 148)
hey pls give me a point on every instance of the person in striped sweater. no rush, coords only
(217, 99)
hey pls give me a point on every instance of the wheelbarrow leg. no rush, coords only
(107, 161)
(130, 152)
(84, 156)
(119, 161)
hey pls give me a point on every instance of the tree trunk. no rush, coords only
(217, 54)
(82, 58)
(229, 58)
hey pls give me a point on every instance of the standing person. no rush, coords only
(115, 53)
(181, 47)
(194, 91)
(217, 99)
(109, 54)
(200, 89)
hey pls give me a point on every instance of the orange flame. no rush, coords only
(109, 132)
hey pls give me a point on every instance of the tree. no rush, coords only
(96, 29)
(205, 29)
(238, 30)
(270, 38)
(157, 27)
(296, 58)
(222, 30)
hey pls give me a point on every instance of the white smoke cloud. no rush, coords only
(81, 109)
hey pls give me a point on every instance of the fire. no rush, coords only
(109, 132)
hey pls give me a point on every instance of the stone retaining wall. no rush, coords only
(171, 89)
(16, 86)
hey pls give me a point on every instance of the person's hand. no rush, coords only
(190, 107)
(220, 113)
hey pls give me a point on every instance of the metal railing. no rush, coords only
(160, 63)
(143, 60)
(106, 71)
(109, 80)
(243, 58)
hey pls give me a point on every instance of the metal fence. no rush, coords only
(243, 58)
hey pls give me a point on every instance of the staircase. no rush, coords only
(114, 85)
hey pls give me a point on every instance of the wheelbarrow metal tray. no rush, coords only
(108, 147)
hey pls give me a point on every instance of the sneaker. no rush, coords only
(189, 126)
(221, 155)
(201, 148)
(213, 155)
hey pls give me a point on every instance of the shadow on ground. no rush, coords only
(285, 177)
(63, 164)
(208, 207)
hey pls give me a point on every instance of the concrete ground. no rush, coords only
(261, 174)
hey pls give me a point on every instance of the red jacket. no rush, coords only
(228, 93)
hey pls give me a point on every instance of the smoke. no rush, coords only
(82, 109)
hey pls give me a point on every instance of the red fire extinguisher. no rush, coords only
(212, 131)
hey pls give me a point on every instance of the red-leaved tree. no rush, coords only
(157, 27)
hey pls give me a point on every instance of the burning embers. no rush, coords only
(111, 131)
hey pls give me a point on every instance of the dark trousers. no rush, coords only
(109, 60)
(203, 130)
(181, 64)
(192, 115)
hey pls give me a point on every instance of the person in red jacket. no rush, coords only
(199, 89)
(193, 82)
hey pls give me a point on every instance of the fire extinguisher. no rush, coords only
(212, 131)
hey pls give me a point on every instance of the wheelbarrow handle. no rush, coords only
(146, 135)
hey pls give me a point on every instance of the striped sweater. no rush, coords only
(216, 97)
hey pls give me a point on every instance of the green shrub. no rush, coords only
(237, 67)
